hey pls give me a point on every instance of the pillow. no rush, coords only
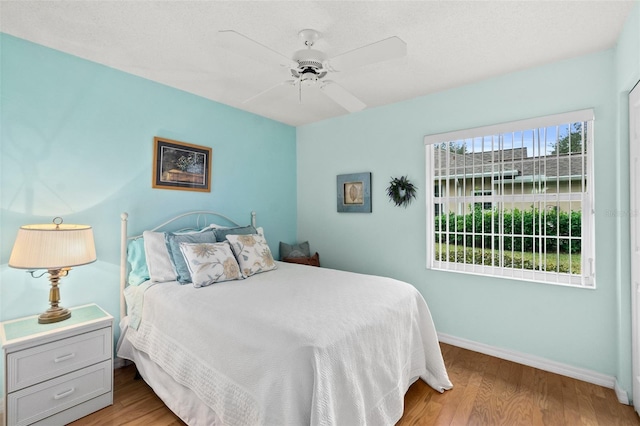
(221, 233)
(210, 263)
(253, 254)
(160, 266)
(173, 244)
(295, 250)
(216, 226)
(138, 261)
(311, 260)
(192, 230)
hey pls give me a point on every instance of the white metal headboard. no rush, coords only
(124, 238)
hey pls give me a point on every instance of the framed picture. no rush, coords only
(180, 165)
(354, 193)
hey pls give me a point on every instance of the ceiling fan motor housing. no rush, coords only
(310, 64)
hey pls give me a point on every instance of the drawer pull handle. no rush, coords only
(64, 357)
(63, 394)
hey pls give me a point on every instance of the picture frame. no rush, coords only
(354, 193)
(180, 165)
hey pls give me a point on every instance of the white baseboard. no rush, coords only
(622, 395)
(583, 374)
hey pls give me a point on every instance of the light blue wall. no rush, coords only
(77, 142)
(627, 66)
(569, 325)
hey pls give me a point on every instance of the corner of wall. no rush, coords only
(627, 74)
(621, 394)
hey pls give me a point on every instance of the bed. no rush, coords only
(286, 344)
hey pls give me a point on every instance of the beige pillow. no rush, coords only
(252, 253)
(210, 263)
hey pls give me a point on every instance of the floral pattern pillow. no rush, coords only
(210, 263)
(253, 254)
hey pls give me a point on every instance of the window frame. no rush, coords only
(586, 279)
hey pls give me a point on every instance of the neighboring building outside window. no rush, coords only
(486, 205)
(514, 200)
(437, 207)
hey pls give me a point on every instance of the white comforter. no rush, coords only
(295, 346)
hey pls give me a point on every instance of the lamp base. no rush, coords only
(55, 313)
(52, 315)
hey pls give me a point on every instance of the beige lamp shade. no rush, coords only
(53, 246)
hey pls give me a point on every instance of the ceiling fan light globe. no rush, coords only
(309, 78)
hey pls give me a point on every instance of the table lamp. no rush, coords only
(55, 247)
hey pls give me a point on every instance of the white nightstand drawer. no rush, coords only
(46, 399)
(37, 364)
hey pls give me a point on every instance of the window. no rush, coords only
(487, 205)
(514, 200)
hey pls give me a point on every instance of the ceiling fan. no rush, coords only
(310, 67)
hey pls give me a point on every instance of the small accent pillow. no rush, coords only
(253, 254)
(158, 261)
(135, 256)
(295, 250)
(311, 260)
(221, 233)
(210, 263)
(173, 244)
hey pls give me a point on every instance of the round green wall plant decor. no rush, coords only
(401, 191)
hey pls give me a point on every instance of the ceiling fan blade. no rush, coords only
(284, 83)
(383, 50)
(343, 98)
(243, 45)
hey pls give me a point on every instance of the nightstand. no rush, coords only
(57, 373)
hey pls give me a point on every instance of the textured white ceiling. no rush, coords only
(449, 43)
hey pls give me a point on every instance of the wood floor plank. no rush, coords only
(483, 412)
(512, 409)
(529, 396)
(468, 395)
(585, 404)
(549, 396)
(571, 404)
(487, 392)
(458, 405)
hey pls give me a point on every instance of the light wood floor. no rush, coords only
(487, 391)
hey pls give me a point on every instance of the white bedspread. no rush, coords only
(134, 295)
(295, 346)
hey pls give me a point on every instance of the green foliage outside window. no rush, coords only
(523, 230)
(570, 142)
(563, 263)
